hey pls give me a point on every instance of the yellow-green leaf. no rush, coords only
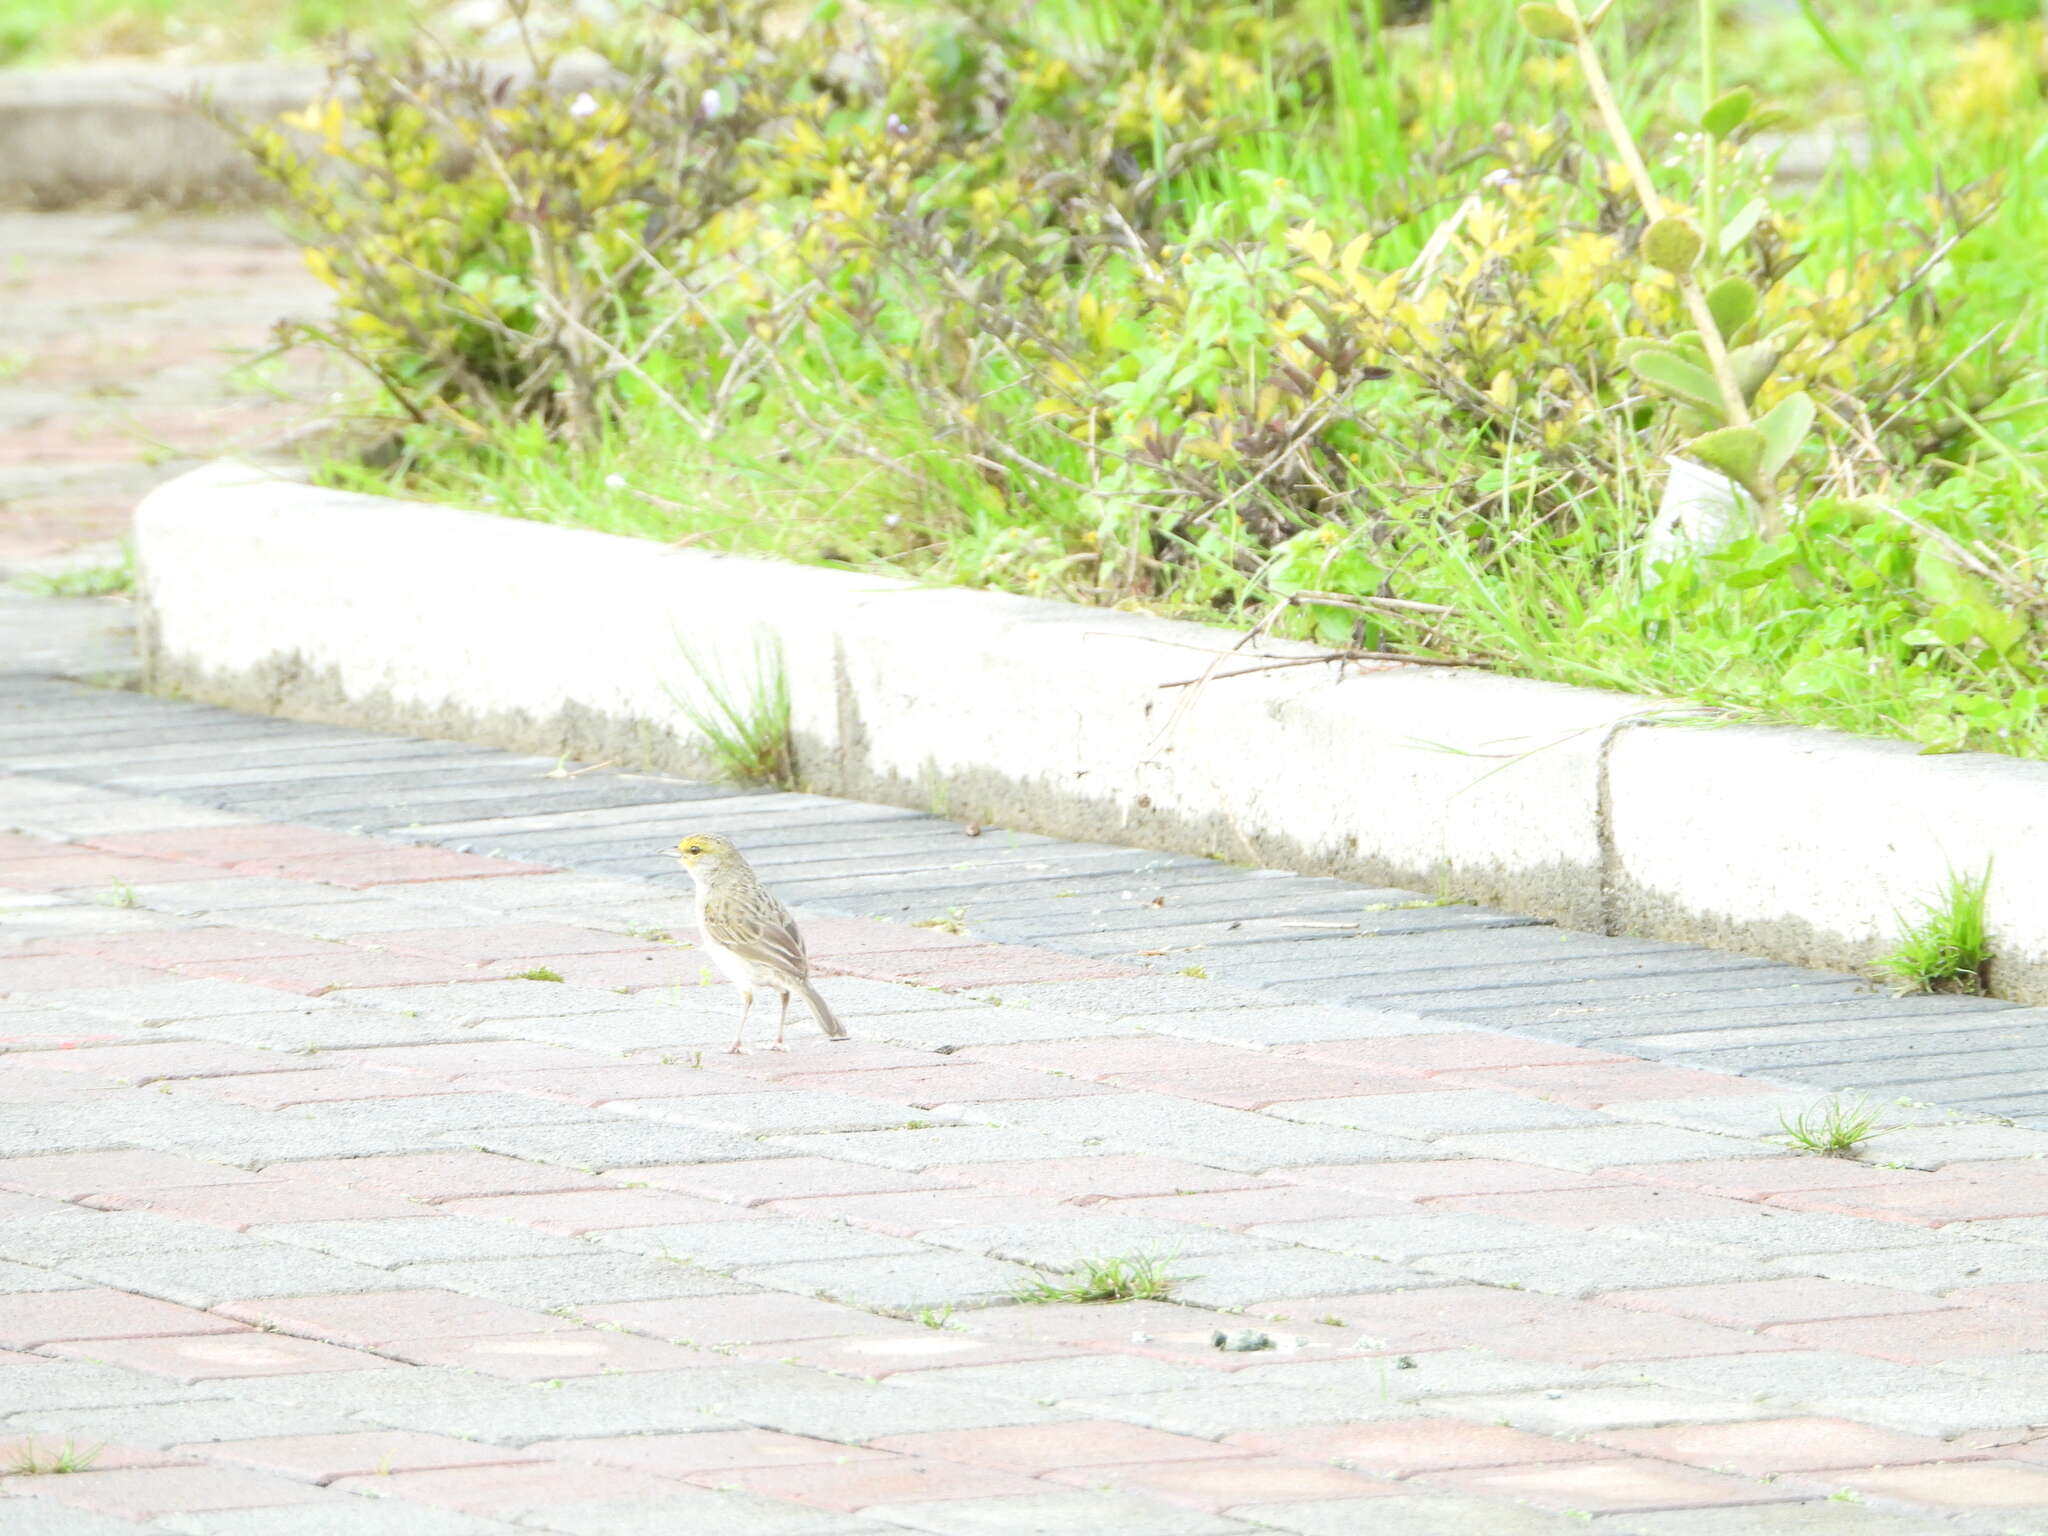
(1728, 112)
(1548, 23)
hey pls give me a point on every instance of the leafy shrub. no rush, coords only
(502, 247)
(1242, 312)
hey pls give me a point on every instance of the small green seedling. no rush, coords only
(1945, 949)
(538, 973)
(1835, 1128)
(937, 1317)
(31, 1460)
(1140, 1278)
(955, 921)
(122, 895)
(744, 727)
(1196, 971)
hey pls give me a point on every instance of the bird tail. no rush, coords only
(827, 1019)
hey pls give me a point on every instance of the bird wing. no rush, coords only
(758, 928)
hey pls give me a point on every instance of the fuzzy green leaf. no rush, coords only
(1548, 23)
(1752, 364)
(1784, 427)
(1672, 244)
(1736, 452)
(1728, 112)
(1669, 374)
(1733, 302)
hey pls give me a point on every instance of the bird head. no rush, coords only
(703, 853)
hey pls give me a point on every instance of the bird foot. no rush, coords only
(735, 1049)
(777, 1046)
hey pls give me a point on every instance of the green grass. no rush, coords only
(1532, 565)
(538, 973)
(86, 581)
(1946, 948)
(1834, 1128)
(743, 724)
(32, 1460)
(1140, 1278)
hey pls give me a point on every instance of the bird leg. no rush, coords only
(740, 1035)
(781, 1023)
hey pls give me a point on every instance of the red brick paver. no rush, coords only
(49, 1317)
(374, 1318)
(323, 1458)
(1769, 1447)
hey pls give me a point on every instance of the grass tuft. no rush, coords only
(1945, 949)
(1138, 1278)
(744, 728)
(31, 1460)
(538, 973)
(1835, 1128)
(86, 581)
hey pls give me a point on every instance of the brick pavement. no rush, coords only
(316, 1218)
(132, 347)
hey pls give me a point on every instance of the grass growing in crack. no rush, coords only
(937, 1317)
(1946, 949)
(86, 581)
(538, 973)
(31, 1460)
(1140, 1278)
(1835, 1128)
(744, 728)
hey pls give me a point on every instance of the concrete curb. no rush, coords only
(128, 135)
(1587, 807)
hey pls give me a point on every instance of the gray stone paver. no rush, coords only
(519, 1114)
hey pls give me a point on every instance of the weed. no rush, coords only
(745, 729)
(538, 973)
(1138, 1278)
(30, 1460)
(650, 934)
(1835, 1128)
(937, 1317)
(122, 894)
(955, 921)
(1945, 949)
(83, 581)
(1199, 973)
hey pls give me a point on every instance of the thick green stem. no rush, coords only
(1689, 290)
